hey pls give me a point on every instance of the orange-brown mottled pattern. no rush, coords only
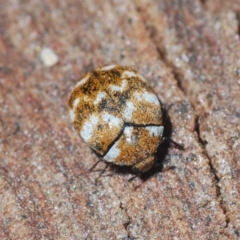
(104, 134)
(145, 112)
(144, 165)
(140, 146)
(114, 104)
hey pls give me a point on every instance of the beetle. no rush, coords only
(119, 116)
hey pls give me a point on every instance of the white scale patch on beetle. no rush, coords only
(128, 135)
(147, 96)
(111, 120)
(107, 68)
(82, 81)
(72, 114)
(76, 102)
(100, 96)
(121, 88)
(155, 130)
(119, 134)
(129, 74)
(113, 153)
(88, 127)
(128, 111)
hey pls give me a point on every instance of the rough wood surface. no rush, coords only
(189, 51)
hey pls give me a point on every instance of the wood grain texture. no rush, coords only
(189, 53)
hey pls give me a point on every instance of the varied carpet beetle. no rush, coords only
(118, 115)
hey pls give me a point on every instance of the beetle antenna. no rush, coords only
(94, 165)
(176, 145)
(135, 176)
